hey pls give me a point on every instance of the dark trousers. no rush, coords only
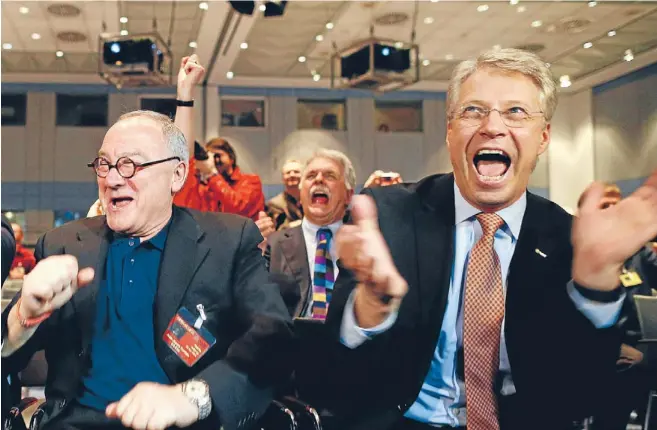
(78, 417)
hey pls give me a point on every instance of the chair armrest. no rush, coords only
(307, 416)
(276, 417)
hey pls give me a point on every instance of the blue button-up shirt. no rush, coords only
(123, 342)
(441, 400)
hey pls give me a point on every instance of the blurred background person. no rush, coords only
(24, 260)
(218, 185)
(285, 208)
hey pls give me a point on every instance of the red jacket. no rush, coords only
(23, 258)
(241, 195)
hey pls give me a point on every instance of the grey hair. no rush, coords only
(507, 60)
(173, 136)
(340, 158)
(288, 161)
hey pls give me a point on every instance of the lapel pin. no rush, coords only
(541, 253)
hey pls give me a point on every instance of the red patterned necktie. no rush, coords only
(482, 322)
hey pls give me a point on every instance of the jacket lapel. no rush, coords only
(434, 238)
(91, 251)
(183, 254)
(294, 249)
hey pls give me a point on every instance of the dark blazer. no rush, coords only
(559, 361)
(208, 258)
(286, 255)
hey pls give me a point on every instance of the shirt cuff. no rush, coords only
(353, 336)
(602, 315)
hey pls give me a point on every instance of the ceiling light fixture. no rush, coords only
(612, 33)
(521, 9)
(203, 6)
(59, 54)
(513, 2)
(426, 62)
(564, 81)
(123, 19)
(537, 23)
(428, 20)
(7, 46)
(548, 65)
(435, 1)
(399, 45)
(588, 45)
(593, 3)
(24, 10)
(230, 75)
(192, 44)
(124, 32)
(316, 77)
(629, 56)
(329, 25)
(244, 45)
(36, 36)
(302, 59)
(262, 8)
(482, 8)
(319, 38)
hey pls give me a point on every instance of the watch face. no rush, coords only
(196, 389)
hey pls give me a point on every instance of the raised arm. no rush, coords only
(190, 74)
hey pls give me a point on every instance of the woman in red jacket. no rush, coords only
(218, 185)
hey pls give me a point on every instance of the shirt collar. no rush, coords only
(156, 241)
(311, 228)
(512, 215)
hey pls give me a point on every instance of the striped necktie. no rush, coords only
(482, 324)
(323, 278)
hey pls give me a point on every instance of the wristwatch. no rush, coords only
(198, 392)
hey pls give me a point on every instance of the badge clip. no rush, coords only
(201, 316)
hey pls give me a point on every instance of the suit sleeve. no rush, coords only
(244, 198)
(241, 385)
(20, 358)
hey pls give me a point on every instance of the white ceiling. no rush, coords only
(454, 30)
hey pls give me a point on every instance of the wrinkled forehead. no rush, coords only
(491, 85)
(324, 165)
(133, 136)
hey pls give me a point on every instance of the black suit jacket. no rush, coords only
(559, 361)
(287, 259)
(208, 258)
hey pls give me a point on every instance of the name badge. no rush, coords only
(630, 278)
(187, 338)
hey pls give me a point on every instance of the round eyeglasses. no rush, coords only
(124, 165)
(515, 117)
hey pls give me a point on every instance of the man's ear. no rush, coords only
(179, 176)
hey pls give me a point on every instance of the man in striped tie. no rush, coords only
(306, 253)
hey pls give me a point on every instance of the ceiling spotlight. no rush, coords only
(435, 1)
(7, 46)
(230, 75)
(629, 56)
(521, 9)
(482, 8)
(203, 6)
(262, 8)
(302, 59)
(513, 2)
(124, 32)
(192, 44)
(399, 45)
(316, 77)
(548, 65)
(587, 45)
(612, 33)
(123, 19)
(449, 57)
(36, 36)
(426, 62)
(537, 23)
(59, 54)
(244, 45)
(24, 10)
(593, 3)
(329, 25)
(319, 38)
(428, 20)
(565, 81)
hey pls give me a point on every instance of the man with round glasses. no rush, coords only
(152, 316)
(464, 300)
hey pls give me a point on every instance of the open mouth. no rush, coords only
(491, 164)
(319, 197)
(120, 202)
